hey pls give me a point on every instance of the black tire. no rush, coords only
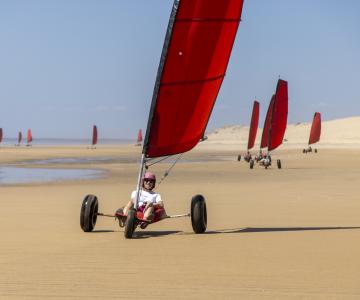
(130, 224)
(88, 213)
(251, 164)
(279, 163)
(315, 150)
(198, 214)
(239, 157)
(304, 151)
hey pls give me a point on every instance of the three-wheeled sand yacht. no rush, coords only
(274, 125)
(315, 133)
(193, 62)
(252, 131)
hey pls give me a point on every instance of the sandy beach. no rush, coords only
(272, 234)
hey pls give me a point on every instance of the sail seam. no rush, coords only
(194, 81)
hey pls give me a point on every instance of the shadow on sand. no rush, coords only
(277, 229)
(151, 234)
(148, 234)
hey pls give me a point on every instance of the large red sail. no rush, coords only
(139, 138)
(19, 137)
(195, 56)
(253, 125)
(315, 129)
(265, 133)
(1, 134)
(94, 135)
(279, 116)
(29, 136)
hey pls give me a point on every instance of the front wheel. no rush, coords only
(88, 213)
(198, 214)
(130, 224)
(279, 164)
(251, 164)
(315, 150)
(239, 157)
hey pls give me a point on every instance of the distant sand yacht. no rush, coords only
(19, 139)
(315, 132)
(139, 138)
(29, 138)
(94, 137)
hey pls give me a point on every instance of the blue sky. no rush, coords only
(66, 65)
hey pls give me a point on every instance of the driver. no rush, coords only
(265, 160)
(149, 202)
(247, 156)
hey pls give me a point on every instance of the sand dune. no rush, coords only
(336, 133)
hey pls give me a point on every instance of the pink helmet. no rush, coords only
(149, 176)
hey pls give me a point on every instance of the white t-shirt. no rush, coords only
(146, 197)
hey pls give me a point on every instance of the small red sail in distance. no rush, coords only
(19, 137)
(29, 136)
(315, 129)
(140, 137)
(195, 55)
(265, 133)
(1, 134)
(94, 135)
(279, 115)
(253, 125)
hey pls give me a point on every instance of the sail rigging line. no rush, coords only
(167, 172)
(154, 163)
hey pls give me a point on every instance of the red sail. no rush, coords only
(253, 125)
(94, 135)
(195, 56)
(19, 137)
(139, 138)
(315, 129)
(1, 134)
(29, 136)
(265, 133)
(279, 116)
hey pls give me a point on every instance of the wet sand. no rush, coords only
(272, 234)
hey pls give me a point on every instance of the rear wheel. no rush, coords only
(315, 150)
(251, 164)
(239, 157)
(279, 164)
(130, 224)
(88, 213)
(198, 214)
(304, 151)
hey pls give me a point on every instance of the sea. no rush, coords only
(67, 141)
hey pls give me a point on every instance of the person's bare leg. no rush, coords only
(127, 207)
(149, 212)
